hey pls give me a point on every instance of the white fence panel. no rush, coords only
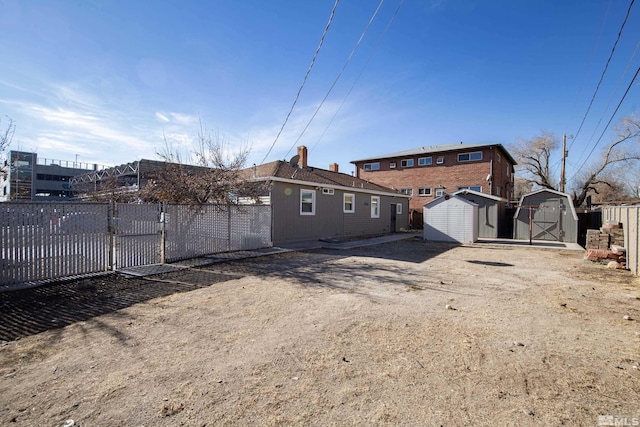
(138, 235)
(629, 217)
(42, 241)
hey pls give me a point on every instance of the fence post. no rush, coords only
(163, 210)
(229, 227)
(112, 237)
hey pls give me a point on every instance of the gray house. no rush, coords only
(546, 215)
(309, 203)
(492, 221)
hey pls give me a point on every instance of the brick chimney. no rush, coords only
(302, 152)
(333, 167)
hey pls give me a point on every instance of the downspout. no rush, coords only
(491, 173)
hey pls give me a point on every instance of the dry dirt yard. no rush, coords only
(408, 333)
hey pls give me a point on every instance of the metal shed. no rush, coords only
(546, 215)
(492, 220)
(451, 218)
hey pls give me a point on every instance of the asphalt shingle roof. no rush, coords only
(283, 170)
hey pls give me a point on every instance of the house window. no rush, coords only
(424, 191)
(329, 191)
(372, 166)
(399, 209)
(469, 157)
(407, 191)
(349, 203)
(392, 165)
(477, 188)
(407, 163)
(508, 170)
(307, 202)
(499, 157)
(425, 161)
(375, 207)
(440, 160)
(439, 192)
(498, 191)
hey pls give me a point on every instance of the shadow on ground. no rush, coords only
(30, 311)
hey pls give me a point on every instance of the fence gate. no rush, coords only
(137, 231)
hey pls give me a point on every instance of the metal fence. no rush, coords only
(43, 241)
(629, 217)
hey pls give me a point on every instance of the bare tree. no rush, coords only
(209, 173)
(5, 140)
(521, 187)
(624, 152)
(533, 157)
(7, 135)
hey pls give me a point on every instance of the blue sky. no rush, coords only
(106, 79)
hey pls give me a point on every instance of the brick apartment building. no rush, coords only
(428, 172)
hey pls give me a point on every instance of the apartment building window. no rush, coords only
(424, 191)
(406, 163)
(470, 157)
(425, 161)
(375, 207)
(349, 203)
(439, 192)
(407, 191)
(477, 188)
(440, 160)
(392, 165)
(499, 157)
(498, 191)
(307, 202)
(372, 166)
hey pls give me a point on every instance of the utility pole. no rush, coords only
(565, 153)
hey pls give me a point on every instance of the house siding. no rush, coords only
(330, 221)
(449, 176)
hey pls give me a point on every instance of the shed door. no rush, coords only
(547, 221)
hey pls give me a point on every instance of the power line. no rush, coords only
(604, 112)
(603, 72)
(373, 52)
(609, 122)
(295, 101)
(353, 51)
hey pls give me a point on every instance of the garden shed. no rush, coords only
(546, 215)
(451, 218)
(492, 220)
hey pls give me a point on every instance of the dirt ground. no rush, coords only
(407, 333)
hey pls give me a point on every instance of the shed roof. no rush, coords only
(433, 149)
(548, 190)
(479, 194)
(446, 198)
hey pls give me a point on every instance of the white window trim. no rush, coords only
(313, 201)
(374, 166)
(405, 163)
(440, 192)
(407, 191)
(440, 160)
(399, 209)
(392, 165)
(377, 204)
(328, 191)
(425, 194)
(344, 203)
(420, 163)
(469, 154)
